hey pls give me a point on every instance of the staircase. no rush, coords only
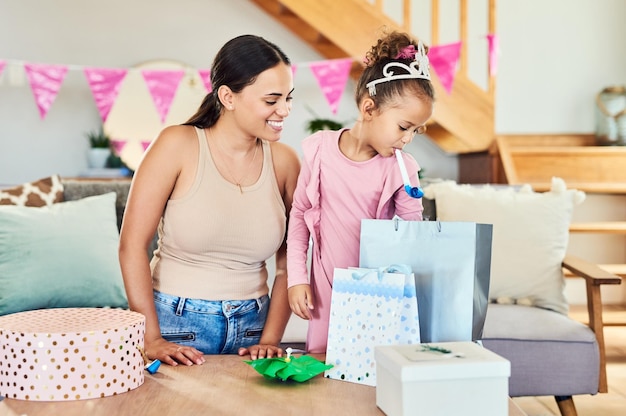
(463, 121)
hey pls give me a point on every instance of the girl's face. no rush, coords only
(395, 124)
(260, 108)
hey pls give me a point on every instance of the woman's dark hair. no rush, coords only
(236, 65)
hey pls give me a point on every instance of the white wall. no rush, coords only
(554, 57)
(118, 33)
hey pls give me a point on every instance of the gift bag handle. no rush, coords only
(380, 271)
(396, 224)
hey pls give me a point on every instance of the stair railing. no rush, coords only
(403, 18)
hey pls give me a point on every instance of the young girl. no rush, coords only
(351, 174)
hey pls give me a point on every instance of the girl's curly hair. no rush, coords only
(387, 49)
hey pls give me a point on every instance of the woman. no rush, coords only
(219, 190)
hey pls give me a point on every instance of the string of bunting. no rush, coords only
(332, 75)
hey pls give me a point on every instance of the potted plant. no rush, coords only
(100, 148)
(318, 123)
(322, 124)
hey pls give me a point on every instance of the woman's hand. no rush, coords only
(173, 354)
(301, 300)
(261, 351)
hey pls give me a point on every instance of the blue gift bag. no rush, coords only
(451, 262)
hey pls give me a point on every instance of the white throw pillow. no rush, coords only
(530, 236)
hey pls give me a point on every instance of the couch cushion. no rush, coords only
(74, 189)
(530, 236)
(39, 193)
(80, 188)
(548, 351)
(64, 255)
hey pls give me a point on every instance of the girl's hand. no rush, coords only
(261, 351)
(173, 354)
(301, 300)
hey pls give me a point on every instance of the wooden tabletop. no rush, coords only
(224, 385)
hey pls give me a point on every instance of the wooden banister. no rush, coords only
(464, 37)
(492, 29)
(406, 15)
(434, 18)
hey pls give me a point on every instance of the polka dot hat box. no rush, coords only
(70, 353)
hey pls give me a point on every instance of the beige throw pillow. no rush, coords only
(530, 236)
(40, 193)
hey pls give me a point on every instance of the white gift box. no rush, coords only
(70, 353)
(420, 380)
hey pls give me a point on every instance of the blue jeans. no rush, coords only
(213, 327)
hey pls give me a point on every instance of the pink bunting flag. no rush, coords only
(45, 82)
(118, 145)
(2, 65)
(444, 59)
(494, 50)
(294, 67)
(162, 85)
(205, 76)
(332, 77)
(105, 85)
(145, 144)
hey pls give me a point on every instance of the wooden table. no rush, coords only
(224, 385)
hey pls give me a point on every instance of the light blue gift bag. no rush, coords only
(369, 307)
(451, 262)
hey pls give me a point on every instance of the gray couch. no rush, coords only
(74, 189)
(550, 354)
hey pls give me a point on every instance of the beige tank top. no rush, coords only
(214, 241)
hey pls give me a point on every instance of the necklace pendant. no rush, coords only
(240, 189)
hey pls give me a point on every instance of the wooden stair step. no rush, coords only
(536, 159)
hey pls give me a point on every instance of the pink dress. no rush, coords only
(332, 196)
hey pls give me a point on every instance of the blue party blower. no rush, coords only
(413, 191)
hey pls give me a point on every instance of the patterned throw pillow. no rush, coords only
(40, 193)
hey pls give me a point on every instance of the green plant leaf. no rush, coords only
(322, 124)
(99, 139)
